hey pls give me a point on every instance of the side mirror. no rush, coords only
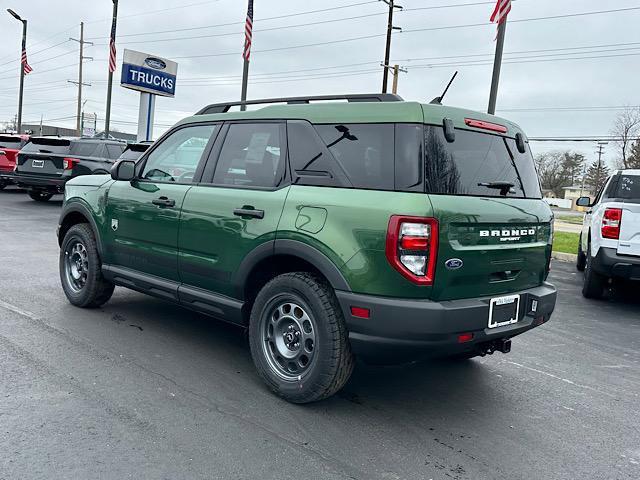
(583, 202)
(124, 170)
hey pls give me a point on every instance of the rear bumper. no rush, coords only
(400, 329)
(608, 262)
(34, 182)
(6, 177)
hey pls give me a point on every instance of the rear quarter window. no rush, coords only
(364, 151)
(626, 188)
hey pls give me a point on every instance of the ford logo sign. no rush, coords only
(156, 63)
(454, 263)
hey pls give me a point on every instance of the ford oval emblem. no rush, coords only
(454, 263)
(156, 63)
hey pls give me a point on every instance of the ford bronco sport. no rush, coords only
(371, 227)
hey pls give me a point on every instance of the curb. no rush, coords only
(564, 257)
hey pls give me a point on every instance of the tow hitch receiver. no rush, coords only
(503, 345)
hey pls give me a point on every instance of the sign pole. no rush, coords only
(146, 114)
(114, 22)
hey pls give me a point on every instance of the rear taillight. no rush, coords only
(611, 223)
(412, 247)
(69, 163)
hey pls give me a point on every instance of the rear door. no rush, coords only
(628, 191)
(237, 207)
(491, 242)
(44, 157)
(142, 216)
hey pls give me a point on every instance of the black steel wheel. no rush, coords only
(299, 342)
(81, 269)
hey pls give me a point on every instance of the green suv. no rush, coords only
(368, 227)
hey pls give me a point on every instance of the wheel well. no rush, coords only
(268, 269)
(71, 219)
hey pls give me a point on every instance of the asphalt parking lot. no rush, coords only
(144, 389)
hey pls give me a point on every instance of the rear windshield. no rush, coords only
(474, 163)
(86, 149)
(47, 145)
(11, 142)
(131, 154)
(628, 188)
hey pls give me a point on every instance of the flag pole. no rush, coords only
(497, 66)
(246, 54)
(107, 118)
(245, 80)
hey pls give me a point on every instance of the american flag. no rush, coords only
(499, 15)
(248, 32)
(112, 49)
(25, 65)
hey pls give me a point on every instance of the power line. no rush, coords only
(32, 54)
(242, 21)
(153, 12)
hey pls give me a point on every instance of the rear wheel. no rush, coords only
(298, 338)
(594, 283)
(81, 269)
(2, 185)
(40, 196)
(581, 262)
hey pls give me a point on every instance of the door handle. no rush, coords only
(164, 202)
(248, 211)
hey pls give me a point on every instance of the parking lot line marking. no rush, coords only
(18, 310)
(565, 380)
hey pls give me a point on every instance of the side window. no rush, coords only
(364, 151)
(601, 191)
(251, 156)
(177, 157)
(311, 162)
(114, 151)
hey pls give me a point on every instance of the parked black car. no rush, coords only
(45, 164)
(134, 151)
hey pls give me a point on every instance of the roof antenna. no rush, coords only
(438, 100)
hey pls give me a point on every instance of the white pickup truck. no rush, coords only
(609, 244)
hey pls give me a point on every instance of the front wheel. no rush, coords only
(298, 338)
(40, 196)
(81, 269)
(594, 283)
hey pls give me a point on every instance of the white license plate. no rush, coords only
(37, 163)
(504, 311)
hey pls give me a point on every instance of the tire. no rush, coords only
(308, 304)
(40, 196)
(2, 185)
(594, 283)
(81, 269)
(581, 262)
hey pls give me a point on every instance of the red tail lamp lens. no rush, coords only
(360, 312)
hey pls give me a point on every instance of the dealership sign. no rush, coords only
(149, 73)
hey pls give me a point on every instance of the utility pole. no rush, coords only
(112, 46)
(600, 153)
(497, 66)
(79, 82)
(390, 28)
(395, 71)
(23, 61)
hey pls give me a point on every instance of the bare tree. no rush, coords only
(626, 128)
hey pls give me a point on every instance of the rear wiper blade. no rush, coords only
(504, 187)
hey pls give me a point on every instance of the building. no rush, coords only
(574, 192)
(35, 129)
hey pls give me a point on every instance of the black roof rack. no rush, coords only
(360, 97)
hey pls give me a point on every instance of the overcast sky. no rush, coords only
(548, 75)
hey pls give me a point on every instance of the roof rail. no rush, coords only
(361, 97)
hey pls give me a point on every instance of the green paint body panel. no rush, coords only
(147, 235)
(213, 241)
(201, 242)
